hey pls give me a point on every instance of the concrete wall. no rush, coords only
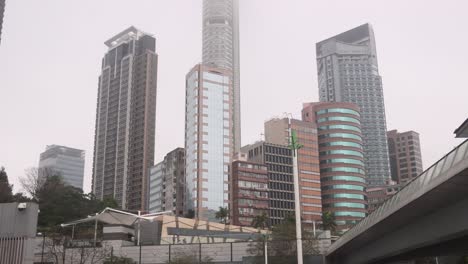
(17, 232)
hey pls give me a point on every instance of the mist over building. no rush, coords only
(125, 119)
(348, 72)
(68, 163)
(221, 49)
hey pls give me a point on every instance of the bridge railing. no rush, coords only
(426, 181)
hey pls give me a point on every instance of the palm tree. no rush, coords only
(328, 222)
(260, 221)
(222, 214)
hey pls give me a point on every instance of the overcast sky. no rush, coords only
(51, 52)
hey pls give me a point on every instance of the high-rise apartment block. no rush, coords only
(348, 72)
(221, 49)
(2, 11)
(67, 162)
(125, 119)
(405, 155)
(208, 139)
(249, 192)
(342, 170)
(277, 132)
(278, 159)
(167, 184)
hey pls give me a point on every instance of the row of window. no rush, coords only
(343, 169)
(338, 110)
(344, 178)
(340, 135)
(344, 204)
(346, 127)
(343, 187)
(342, 152)
(343, 196)
(349, 161)
(339, 118)
(341, 144)
(353, 214)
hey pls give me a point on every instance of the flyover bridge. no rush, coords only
(428, 217)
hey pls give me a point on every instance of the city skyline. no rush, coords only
(414, 119)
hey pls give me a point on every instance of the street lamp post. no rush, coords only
(297, 203)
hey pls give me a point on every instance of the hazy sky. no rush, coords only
(51, 52)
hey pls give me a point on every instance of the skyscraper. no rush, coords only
(277, 132)
(405, 155)
(343, 179)
(348, 72)
(125, 119)
(67, 162)
(2, 10)
(208, 140)
(221, 49)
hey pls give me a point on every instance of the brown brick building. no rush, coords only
(250, 192)
(405, 155)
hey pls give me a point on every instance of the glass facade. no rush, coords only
(342, 165)
(209, 140)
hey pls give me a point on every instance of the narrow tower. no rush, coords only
(221, 49)
(125, 119)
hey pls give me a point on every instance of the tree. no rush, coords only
(118, 260)
(260, 221)
(6, 190)
(222, 214)
(328, 222)
(34, 179)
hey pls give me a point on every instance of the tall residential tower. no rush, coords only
(405, 155)
(125, 119)
(348, 72)
(221, 49)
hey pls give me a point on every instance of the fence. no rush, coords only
(282, 252)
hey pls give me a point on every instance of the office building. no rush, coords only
(348, 72)
(278, 159)
(67, 162)
(249, 192)
(125, 119)
(2, 11)
(221, 49)
(405, 155)
(376, 196)
(342, 170)
(277, 132)
(208, 140)
(167, 184)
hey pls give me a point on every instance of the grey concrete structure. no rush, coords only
(66, 162)
(167, 184)
(462, 130)
(348, 72)
(125, 119)
(426, 218)
(2, 11)
(208, 140)
(18, 226)
(404, 150)
(221, 49)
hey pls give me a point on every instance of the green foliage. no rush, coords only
(260, 221)
(222, 214)
(328, 222)
(6, 190)
(118, 260)
(60, 203)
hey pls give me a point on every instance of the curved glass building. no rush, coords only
(342, 170)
